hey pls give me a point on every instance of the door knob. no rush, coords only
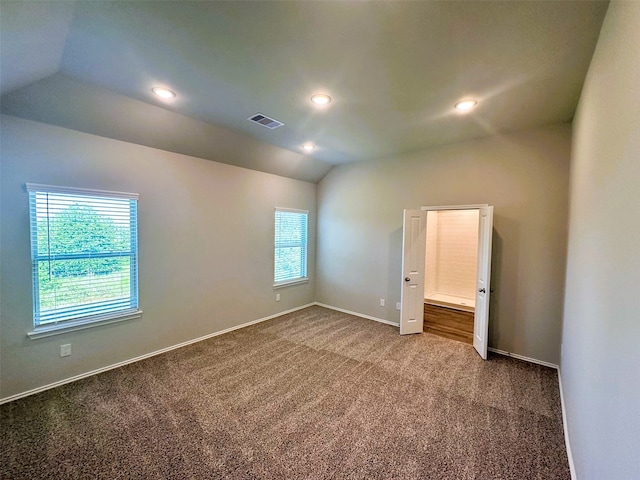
(482, 290)
(407, 279)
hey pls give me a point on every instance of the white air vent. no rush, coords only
(265, 121)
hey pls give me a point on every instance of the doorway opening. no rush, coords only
(451, 264)
(415, 264)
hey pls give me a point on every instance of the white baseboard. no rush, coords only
(368, 317)
(145, 356)
(572, 467)
(522, 357)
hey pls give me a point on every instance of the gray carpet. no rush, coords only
(310, 395)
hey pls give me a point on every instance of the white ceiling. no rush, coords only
(394, 69)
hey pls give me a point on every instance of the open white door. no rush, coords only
(483, 278)
(414, 246)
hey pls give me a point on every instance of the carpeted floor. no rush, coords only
(309, 395)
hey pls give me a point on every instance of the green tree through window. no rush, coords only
(81, 229)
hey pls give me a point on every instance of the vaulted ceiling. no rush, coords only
(393, 69)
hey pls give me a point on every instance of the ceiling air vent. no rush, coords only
(265, 121)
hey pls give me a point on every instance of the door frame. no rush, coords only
(480, 338)
(476, 206)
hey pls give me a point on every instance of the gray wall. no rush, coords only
(205, 239)
(524, 175)
(601, 335)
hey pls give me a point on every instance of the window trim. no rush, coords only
(290, 283)
(97, 319)
(48, 330)
(297, 280)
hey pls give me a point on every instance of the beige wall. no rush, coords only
(524, 175)
(601, 333)
(205, 239)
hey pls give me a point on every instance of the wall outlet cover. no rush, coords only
(65, 350)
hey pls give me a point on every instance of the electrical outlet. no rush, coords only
(382, 302)
(398, 305)
(277, 297)
(65, 350)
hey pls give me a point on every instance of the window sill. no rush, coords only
(289, 283)
(90, 322)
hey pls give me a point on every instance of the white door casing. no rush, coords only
(414, 250)
(483, 279)
(413, 262)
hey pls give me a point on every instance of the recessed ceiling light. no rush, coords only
(321, 99)
(466, 105)
(163, 92)
(308, 147)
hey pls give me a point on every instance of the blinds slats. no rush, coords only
(84, 252)
(290, 245)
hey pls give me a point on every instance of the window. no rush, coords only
(290, 264)
(84, 254)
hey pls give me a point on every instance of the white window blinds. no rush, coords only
(290, 264)
(84, 252)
